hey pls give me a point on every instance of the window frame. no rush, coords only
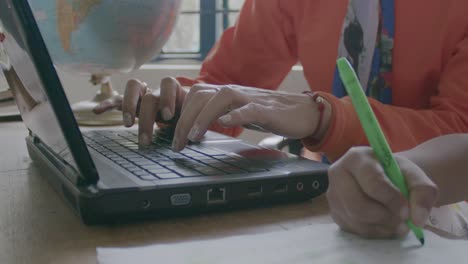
(209, 26)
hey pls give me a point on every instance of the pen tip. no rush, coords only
(422, 241)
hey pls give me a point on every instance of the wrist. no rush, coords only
(323, 118)
(325, 122)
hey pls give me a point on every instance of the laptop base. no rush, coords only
(120, 206)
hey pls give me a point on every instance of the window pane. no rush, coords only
(236, 4)
(232, 18)
(186, 34)
(190, 5)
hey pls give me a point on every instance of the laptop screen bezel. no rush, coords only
(51, 82)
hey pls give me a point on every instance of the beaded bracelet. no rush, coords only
(321, 108)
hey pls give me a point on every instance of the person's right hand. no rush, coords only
(162, 105)
(363, 201)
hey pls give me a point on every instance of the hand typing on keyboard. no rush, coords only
(193, 110)
(162, 105)
(289, 115)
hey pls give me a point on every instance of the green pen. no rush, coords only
(374, 133)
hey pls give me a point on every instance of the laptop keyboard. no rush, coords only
(158, 161)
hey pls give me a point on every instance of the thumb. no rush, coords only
(423, 192)
(114, 102)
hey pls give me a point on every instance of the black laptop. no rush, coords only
(106, 177)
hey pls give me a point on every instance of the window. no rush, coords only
(200, 24)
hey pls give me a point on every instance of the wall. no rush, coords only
(78, 87)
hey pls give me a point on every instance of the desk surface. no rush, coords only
(37, 227)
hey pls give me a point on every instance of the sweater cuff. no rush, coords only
(343, 132)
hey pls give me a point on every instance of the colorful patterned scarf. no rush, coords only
(367, 41)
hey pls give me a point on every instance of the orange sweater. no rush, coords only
(430, 78)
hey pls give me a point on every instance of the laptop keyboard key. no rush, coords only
(230, 169)
(167, 175)
(207, 151)
(159, 171)
(213, 162)
(143, 163)
(185, 172)
(125, 163)
(136, 159)
(141, 173)
(148, 177)
(137, 170)
(167, 163)
(152, 167)
(175, 156)
(130, 167)
(209, 171)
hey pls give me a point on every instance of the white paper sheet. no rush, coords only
(452, 220)
(322, 243)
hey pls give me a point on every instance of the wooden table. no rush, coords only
(37, 227)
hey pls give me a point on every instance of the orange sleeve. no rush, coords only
(258, 51)
(404, 127)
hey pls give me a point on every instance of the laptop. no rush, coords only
(105, 176)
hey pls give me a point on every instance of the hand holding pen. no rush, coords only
(373, 179)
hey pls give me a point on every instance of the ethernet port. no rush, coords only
(216, 195)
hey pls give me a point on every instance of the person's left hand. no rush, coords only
(285, 114)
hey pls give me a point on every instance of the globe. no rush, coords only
(104, 37)
(101, 38)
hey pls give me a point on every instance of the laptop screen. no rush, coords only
(38, 92)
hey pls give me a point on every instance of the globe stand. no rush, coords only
(84, 110)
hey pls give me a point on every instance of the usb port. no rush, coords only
(280, 188)
(216, 195)
(255, 190)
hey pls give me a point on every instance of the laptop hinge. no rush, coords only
(61, 164)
